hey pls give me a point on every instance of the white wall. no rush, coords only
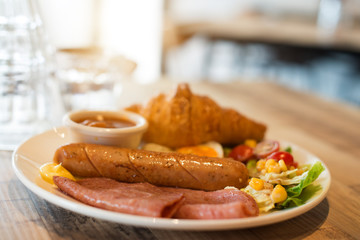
(134, 29)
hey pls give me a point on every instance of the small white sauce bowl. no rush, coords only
(127, 137)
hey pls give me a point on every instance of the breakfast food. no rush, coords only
(158, 168)
(220, 204)
(139, 199)
(148, 200)
(180, 170)
(186, 119)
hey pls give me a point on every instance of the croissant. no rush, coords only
(186, 119)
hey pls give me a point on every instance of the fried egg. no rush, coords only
(156, 147)
(49, 170)
(209, 149)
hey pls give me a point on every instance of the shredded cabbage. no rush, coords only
(262, 198)
(285, 178)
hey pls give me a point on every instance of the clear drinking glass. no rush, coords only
(27, 92)
(91, 78)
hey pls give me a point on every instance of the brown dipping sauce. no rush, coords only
(106, 122)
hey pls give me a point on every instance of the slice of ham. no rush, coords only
(140, 199)
(148, 200)
(220, 204)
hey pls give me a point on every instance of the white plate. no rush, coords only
(30, 155)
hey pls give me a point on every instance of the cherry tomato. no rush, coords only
(287, 157)
(265, 148)
(241, 153)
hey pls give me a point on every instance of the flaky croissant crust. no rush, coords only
(186, 119)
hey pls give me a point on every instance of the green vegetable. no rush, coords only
(299, 194)
(288, 149)
(251, 166)
(227, 151)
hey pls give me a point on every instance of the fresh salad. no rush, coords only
(276, 179)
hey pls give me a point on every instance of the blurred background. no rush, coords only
(309, 45)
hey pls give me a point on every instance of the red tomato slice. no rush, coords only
(287, 157)
(266, 147)
(241, 153)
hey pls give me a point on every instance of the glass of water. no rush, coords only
(91, 78)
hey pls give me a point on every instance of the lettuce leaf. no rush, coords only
(305, 195)
(299, 194)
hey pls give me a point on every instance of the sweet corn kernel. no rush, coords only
(282, 165)
(292, 168)
(260, 165)
(273, 168)
(270, 162)
(279, 194)
(256, 184)
(250, 143)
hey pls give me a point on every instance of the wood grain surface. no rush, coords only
(329, 130)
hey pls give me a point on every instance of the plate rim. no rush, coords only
(164, 223)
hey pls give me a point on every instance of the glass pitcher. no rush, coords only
(27, 90)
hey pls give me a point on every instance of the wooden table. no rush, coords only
(329, 130)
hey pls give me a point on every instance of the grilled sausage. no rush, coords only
(158, 168)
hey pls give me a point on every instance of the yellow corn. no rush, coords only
(270, 162)
(256, 184)
(260, 165)
(250, 143)
(272, 166)
(282, 165)
(292, 168)
(279, 194)
(273, 169)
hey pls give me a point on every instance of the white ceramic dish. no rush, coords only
(30, 155)
(129, 137)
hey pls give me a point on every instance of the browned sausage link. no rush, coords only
(163, 169)
(74, 158)
(90, 160)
